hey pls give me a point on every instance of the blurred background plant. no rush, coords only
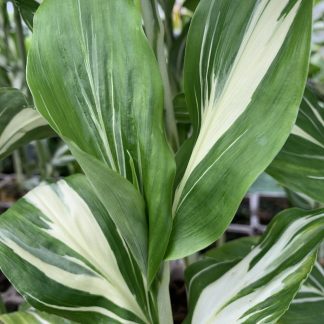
(39, 160)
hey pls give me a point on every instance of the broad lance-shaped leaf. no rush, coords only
(19, 124)
(94, 78)
(308, 305)
(79, 267)
(300, 164)
(260, 287)
(238, 57)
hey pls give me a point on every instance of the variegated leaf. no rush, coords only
(19, 123)
(32, 316)
(95, 79)
(61, 250)
(308, 305)
(300, 164)
(237, 60)
(260, 287)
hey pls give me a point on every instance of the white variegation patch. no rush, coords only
(313, 289)
(301, 133)
(70, 221)
(22, 123)
(228, 98)
(220, 302)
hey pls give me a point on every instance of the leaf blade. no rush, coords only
(302, 154)
(262, 285)
(78, 253)
(231, 101)
(20, 124)
(101, 90)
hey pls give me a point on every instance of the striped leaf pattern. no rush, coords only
(300, 164)
(308, 305)
(237, 59)
(260, 287)
(95, 79)
(32, 317)
(79, 267)
(19, 123)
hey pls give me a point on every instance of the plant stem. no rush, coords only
(18, 169)
(41, 155)
(155, 33)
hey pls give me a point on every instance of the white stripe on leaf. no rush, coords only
(227, 100)
(26, 120)
(70, 220)
(221, 302)
(301, 133)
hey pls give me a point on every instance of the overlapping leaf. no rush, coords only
(19, 124)
(308, 305)
(259, 287)
(27, 9)
(300, 164)
(79, 266)
(237, 60)
(95, 79)
(32, 317)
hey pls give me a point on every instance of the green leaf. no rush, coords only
(122, 201)
(235, 249)
(79, 267)
(180, 109)
(308, 305)
(259, 287)
(32, 316)
(237, 60)
(299, 165)
(27, 9)
(191, 4)
(19, 124)
(95, 79)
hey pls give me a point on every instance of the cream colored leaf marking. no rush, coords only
(71, 221)
(315, 111)
(306, 156)
(92, 69)
(301, 133)
(25, 121)
(312, 121)
(210, 308)
(263, 39)
(312, 286)
(40, 319)
(315, 177)
(95, 309)
(177, 205)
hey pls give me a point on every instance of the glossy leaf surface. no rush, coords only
(259, 287)
(95, 79)
(19, 123)
(300, 164)
(237, 59)
(79, 267)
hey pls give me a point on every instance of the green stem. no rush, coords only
(42, 160)
(155, 33)
(6, 28)
(18, 169)
(20, 37)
